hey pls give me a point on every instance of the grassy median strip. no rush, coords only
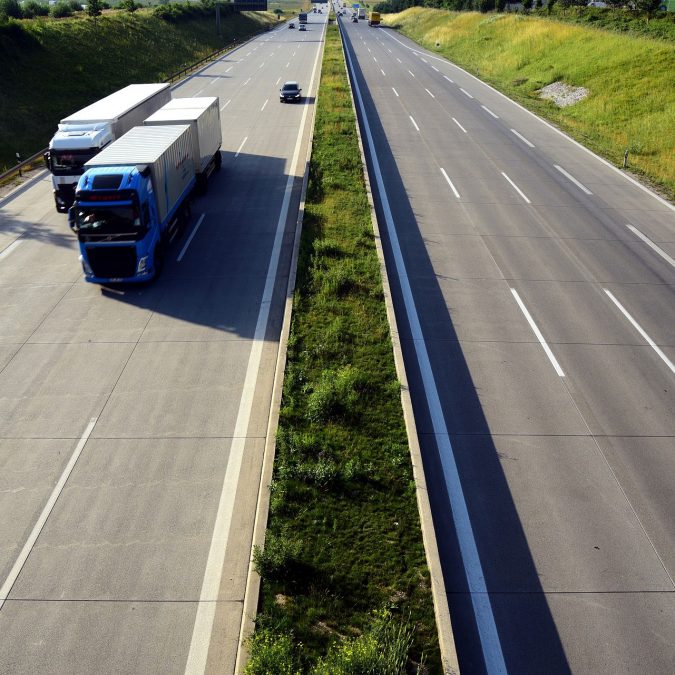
(345, 584)
(631, 80)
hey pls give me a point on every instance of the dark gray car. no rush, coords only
(290, 92)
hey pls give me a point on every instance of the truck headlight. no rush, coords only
(142, 265)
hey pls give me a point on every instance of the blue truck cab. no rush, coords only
(126, 214)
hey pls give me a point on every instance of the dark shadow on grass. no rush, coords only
(528, 635)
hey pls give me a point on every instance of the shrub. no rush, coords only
(128, 5)
(75, 5)
(336, 393)
(271, 653)
(279, 553)
(61, 10)
(10, 8)
(34, 8)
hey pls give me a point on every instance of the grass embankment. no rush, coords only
(345, 583)
(289, 7)
(51, 68)
(631, 80)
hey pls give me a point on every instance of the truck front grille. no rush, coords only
(112, 262)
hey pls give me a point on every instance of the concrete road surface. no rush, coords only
(534, 290)
(133, 420)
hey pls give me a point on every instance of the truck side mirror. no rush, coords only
(46, 158)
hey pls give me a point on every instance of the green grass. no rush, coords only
(344, 542)
(51, 68)
(631, 79)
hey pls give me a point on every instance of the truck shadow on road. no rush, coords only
(529, 639)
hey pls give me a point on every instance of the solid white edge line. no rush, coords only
(428, 92)
(240, 147)
(394, 90)
(489, 638)
(522, 138)
(644, 238)
(414, 123)
(192, 234)
(487, 110)
(459, 125)
(548, 124)
(447, 178)
(537, 332)
(206, 608)
(516, 188)
(225, 104)
(6, 251)
(37, 528)
(639, 329)
(570, 177)
(464, 91)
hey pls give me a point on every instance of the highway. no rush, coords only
(133, 419)
(533, 286)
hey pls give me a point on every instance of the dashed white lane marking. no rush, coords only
(639, 329)
(222, 107)
(247, 81)
(264, 104)
(644, 238)
(428, 92)
(464, 91)
(516, 188)
(448, 79)
(489, 112)
(190, 238)
(452, 187)
(459, 125)
(240, 147)
(394, 90)
(570, 177)
(411, 72)
(537, 332)
(522, 138)
(414, 123)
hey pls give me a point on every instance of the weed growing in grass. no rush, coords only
(343, 480)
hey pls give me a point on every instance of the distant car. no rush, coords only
(290, 92)
(291, 25)
(302, 27)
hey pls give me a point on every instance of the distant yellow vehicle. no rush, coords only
(374, 19)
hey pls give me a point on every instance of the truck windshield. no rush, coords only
(108, 220)
(69, 162)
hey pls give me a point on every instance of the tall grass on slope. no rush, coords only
(52, 68)
(631, 80)
(344, 542)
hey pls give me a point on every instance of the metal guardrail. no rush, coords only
(27, 163)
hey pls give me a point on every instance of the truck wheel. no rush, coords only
(202, 185)
(219, 160)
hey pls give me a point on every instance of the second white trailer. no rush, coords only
(202, 115)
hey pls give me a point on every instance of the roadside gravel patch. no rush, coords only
(563, 94)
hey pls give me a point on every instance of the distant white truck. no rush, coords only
(84, 134)
(202, 115)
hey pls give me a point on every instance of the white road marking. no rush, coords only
(40, 523)
(414, 123)
(537, 332)
(639, 329)
(383, 73)
(464, 91)
(459, 125)
(6, 251)
(425, 61)
(264, 104)
(261, 65)
(277, 82)
(413, 74)
(448, 79)
(229, 69)
(241, 146)
(248, 54)
(522, 138)
(288, 64)
(644, 238)
(436, 69)
(225, 104)
(389, 50)
(368, 48)
(200, 91)
(480, 599)
(247, 81)
(516, 188)
(582, 187)
(374, 59)
(452, 187)
(394, 90)
(191, 237)
(428, 92)
(206, 609)
(399, 60)
(489, 112)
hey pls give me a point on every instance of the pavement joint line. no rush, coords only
(516, 188)
(46, 511)
(537, 332)
(570, 177)
(487, 110)
(13, 246)
(452, 187)
(522, 138)
(644, 238)
(240, 147)
(547, 124)
(190, 238)
(642, 332)
(481, 602)
(414, 123)
(459, 125)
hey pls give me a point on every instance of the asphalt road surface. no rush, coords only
(133, 420)
(534, 291)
